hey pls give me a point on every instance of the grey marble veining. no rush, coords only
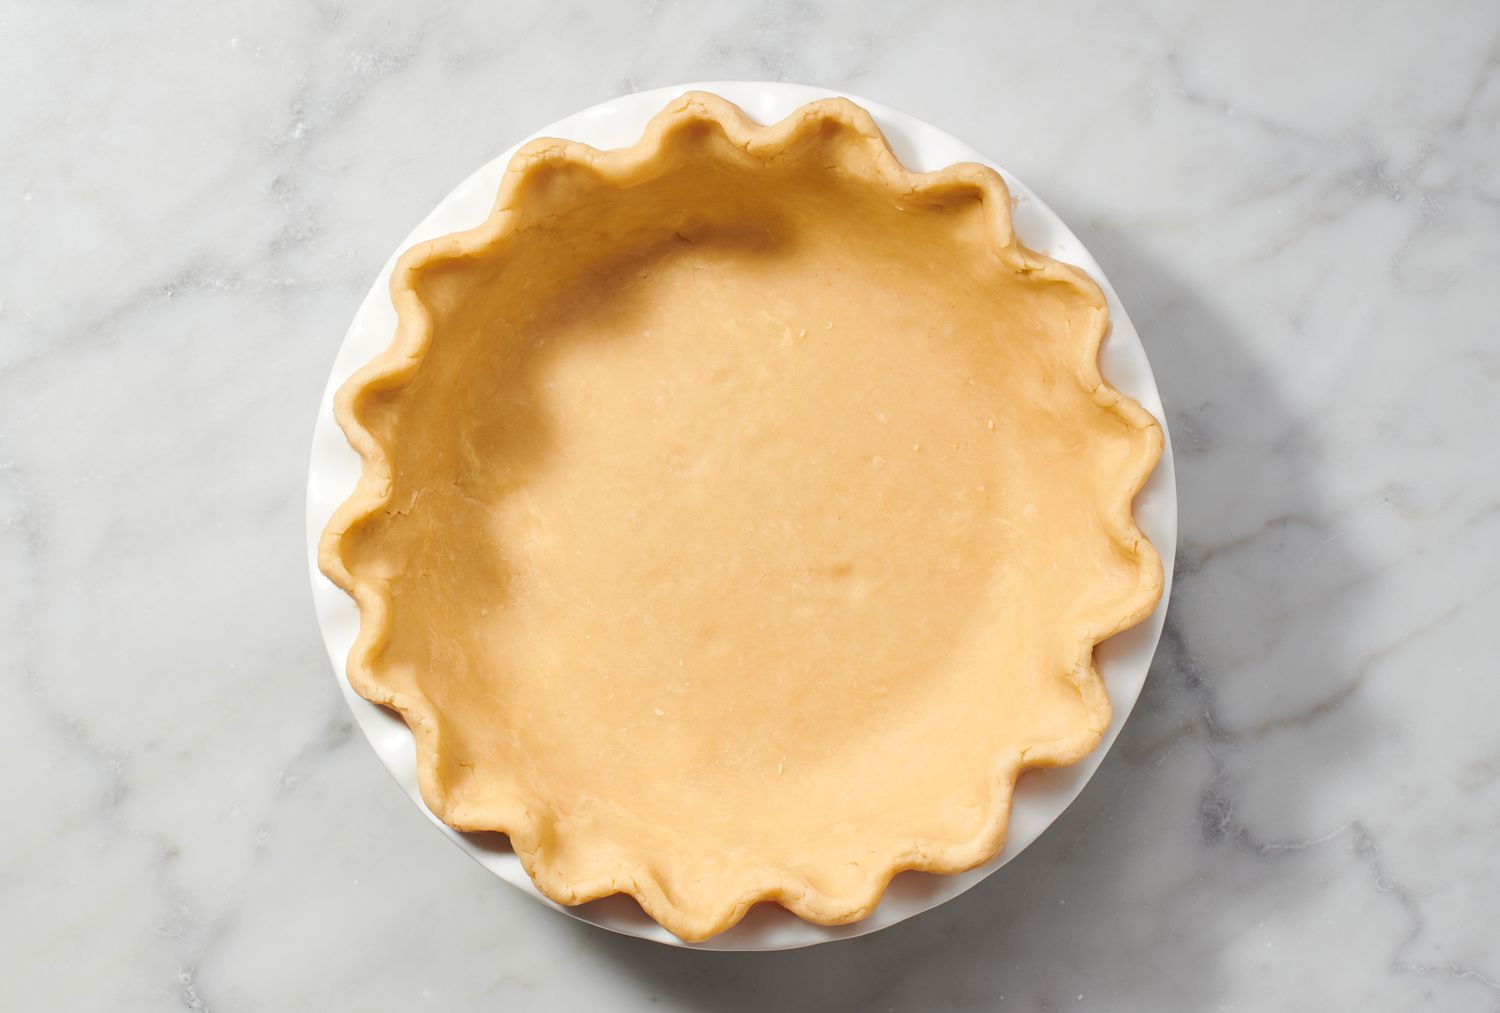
(1300, 204)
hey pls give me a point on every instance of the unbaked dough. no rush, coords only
(739, 514)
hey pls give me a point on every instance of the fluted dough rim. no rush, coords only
(525, 824)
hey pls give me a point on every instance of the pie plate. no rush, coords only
(1122, 661)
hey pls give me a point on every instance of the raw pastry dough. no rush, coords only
(739, 515)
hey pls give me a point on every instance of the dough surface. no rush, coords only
(739, 514)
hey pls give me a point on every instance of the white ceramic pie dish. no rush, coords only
(1040, 796)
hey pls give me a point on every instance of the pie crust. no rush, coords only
(739, 515)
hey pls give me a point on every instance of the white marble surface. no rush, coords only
(1299, 202)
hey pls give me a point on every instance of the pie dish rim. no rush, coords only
(384, 732)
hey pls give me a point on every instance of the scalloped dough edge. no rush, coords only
(525, 824)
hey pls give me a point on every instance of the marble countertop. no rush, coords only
(1298, 202)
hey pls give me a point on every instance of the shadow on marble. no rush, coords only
(1118, 901)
